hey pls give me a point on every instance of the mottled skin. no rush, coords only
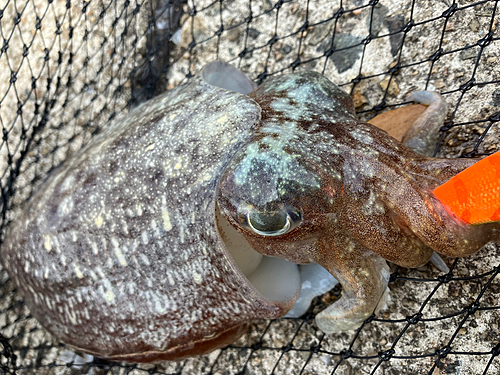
(350, 191)
(119, 254)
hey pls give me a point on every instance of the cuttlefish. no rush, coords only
(183, 222)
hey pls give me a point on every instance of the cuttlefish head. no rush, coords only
(286, 206)
(276, 203)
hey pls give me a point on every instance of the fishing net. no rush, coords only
(69, 67)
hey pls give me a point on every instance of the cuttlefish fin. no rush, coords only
(364, 276)
(226, 76)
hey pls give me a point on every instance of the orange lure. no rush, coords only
(474, 194)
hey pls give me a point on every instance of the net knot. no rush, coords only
(256, 346)
(315, 348)
(357, 79)
(408, 26)
(395, 68)
(443, 352)
(339, 13)
(472, 308)
(483, 42)
(380, 106)
(494, 118)
(370, 318)
(436, 55)
(273, 40)
(296, 63)
(467, 85)
(344, 354)
(386, 355)
(445, 278)
(450, 11)
(415, 318)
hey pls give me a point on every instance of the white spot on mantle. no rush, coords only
(120, 257)
(47, 243)
(115, 242)
(166, 220)
(99, 220)
(78, 271)
(95, 250)
(171, 280)
(145, 239)
(109, 295)
(197, 277)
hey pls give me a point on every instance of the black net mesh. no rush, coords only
(69, 67)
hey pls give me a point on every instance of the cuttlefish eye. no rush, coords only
(273, 223)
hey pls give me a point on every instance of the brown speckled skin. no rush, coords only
(119, 255)
(359, 191)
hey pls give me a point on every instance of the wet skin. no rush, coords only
(120, 253)
(316, 185)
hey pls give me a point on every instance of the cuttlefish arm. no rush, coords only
(363, 275)
(423, 134)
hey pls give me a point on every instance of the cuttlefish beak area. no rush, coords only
(274, 278)
(363, 274)
(295, 222)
